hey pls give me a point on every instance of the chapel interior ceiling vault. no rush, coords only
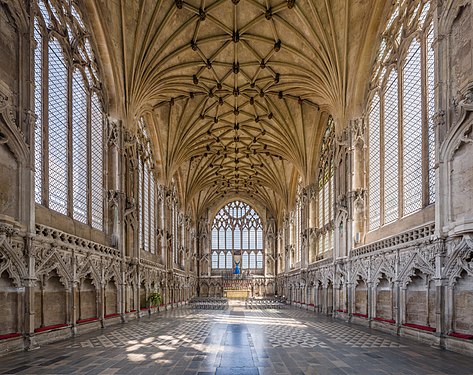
(236, 93)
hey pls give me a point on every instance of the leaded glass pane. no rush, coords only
(326, 204)
(252, 260)
(228, 239)
(259, 238)
(374, 164)
(221, 259)
(320, 216)
(58, 129)
(259, 259)
(79, 148)
(214, 259)
(221, 238)
(391, 151)
(140, 206)
(38, 105)
(229, 260)
(245, 261)
(146, 208)
(214, 238)
(97, 162)
(412, 129)
(252, 238)
(431, 110)
(152, 204)
(245, 238)
(238, 227)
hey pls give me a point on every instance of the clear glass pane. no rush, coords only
(214, 259)
(146, 208)
(259, 260)
(57, 111)
(38, 103)
(374, 164)
(245, 261)
(391, 151)
(152, 223)
(214, 238)
(97, 162)
(252, 260)
(431, 112)
(79, 148)
(221, 260)
(412, 128)
(229, 260)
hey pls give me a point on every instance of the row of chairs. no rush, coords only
(209, 303)
(265, 303)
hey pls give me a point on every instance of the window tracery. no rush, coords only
(237, 229)
(69, 133)
(146, 193)
(325, 191)
(401, 138)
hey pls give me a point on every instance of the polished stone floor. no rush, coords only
(236, 342)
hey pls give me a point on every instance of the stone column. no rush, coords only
(358, 130)
(73, 306)
(101, 304)
(369, 300)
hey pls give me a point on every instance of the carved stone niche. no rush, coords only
(456, 153)
(460, 21)
(13, 155)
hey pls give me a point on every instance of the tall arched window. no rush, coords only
(401, 137)
(69, 133)
(298, 225)
(237, 230)
(325, 191)
(146, 193)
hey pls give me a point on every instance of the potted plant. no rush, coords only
(154, 299)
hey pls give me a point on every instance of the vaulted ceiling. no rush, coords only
(236, 93)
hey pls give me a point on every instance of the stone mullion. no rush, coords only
(89, 157)
(70, 181)
(400, 141)
(72, 290)
(441, 319)
(45, 121)
(425, 122)
(381, 155)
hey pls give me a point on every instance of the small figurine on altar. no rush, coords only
(237, 268)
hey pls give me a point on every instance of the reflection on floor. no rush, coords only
(236, 341)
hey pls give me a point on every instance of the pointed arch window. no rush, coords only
(401, 178)
(237, 230)
(69, 132)
(325, 188)
(146, 191)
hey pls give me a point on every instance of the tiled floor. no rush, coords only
(236, 341)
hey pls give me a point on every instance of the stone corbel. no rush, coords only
(114, 130)
(130, 206)
(114, 198)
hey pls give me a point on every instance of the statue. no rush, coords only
(237, 268)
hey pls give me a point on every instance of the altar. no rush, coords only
(236, 293)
